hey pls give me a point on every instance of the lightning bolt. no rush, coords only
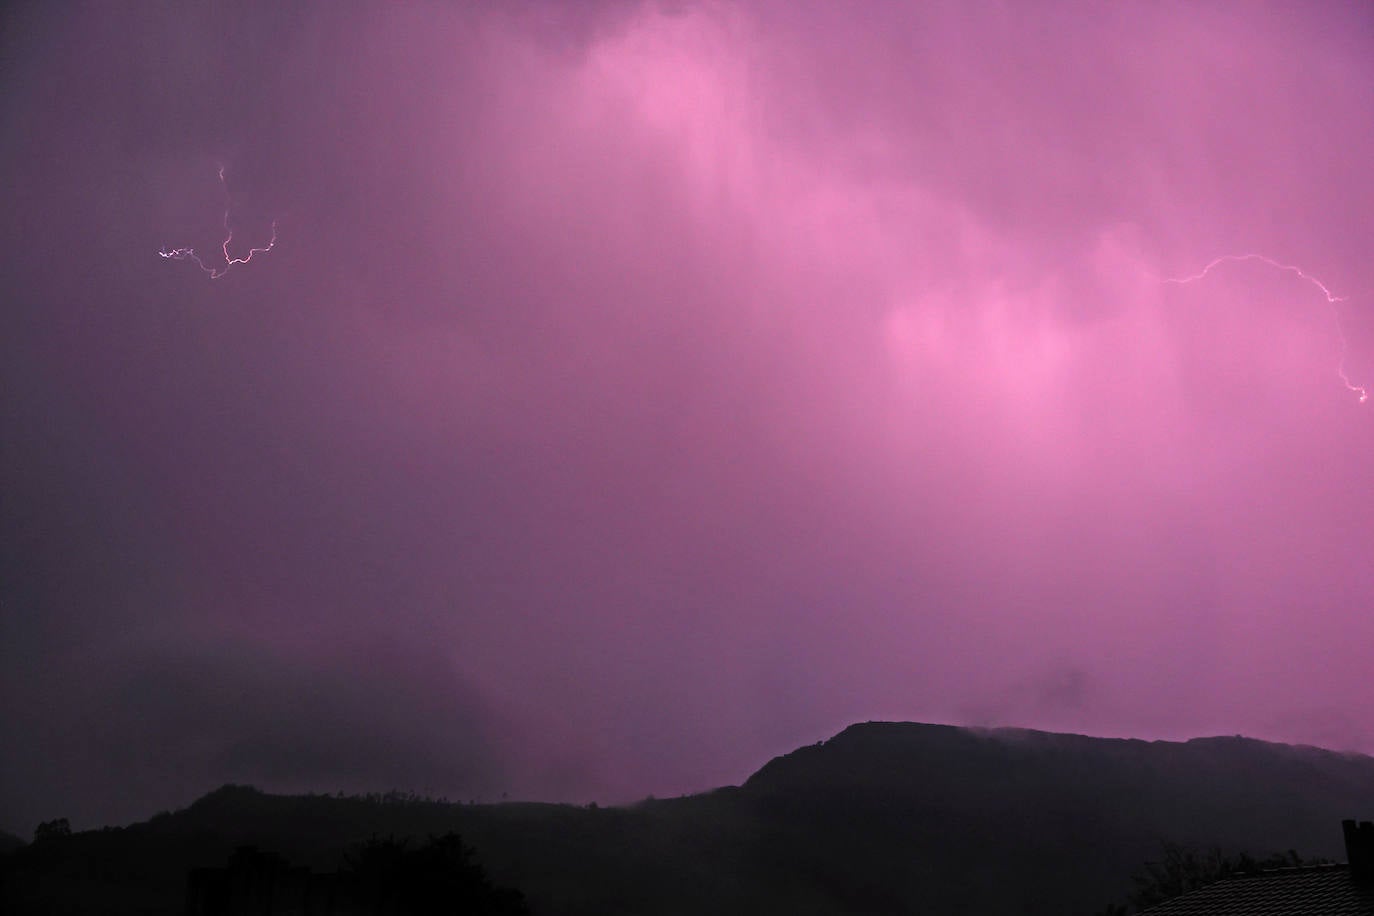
(214, 273)
(1331, 299)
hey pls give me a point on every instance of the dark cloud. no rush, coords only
(162, 724)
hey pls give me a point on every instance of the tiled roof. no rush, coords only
(1320, 890)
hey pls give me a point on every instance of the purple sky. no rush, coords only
(637, 391)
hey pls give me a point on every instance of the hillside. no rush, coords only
(882, 818)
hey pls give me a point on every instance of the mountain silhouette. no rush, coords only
(882, 818)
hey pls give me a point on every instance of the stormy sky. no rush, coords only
(638, 390)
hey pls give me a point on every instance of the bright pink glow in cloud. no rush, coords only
(651, 388)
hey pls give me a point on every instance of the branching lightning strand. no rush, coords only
(214, 273)
(1331, 299)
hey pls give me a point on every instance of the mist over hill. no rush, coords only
(881, 818)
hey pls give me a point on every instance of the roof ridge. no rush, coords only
(1285, 870)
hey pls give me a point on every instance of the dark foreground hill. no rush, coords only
(882, 818)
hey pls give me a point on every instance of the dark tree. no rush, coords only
(1182, 869)
(52, 830)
